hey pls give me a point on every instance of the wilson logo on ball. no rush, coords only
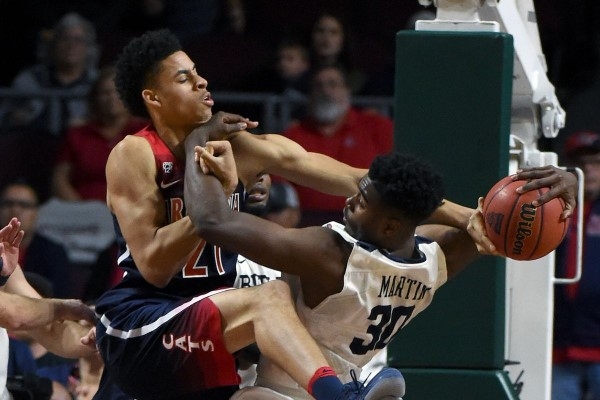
(523, 232)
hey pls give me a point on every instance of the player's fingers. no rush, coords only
(567, 212)
(535, 173)
(476, 229)
(18, 239)
(201, 155)
(9, 231)
(219, 147)
(233, 119)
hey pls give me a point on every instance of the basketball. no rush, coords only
(518, 230)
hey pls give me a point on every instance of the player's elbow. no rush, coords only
(205, 227)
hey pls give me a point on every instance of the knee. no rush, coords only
(275, 291)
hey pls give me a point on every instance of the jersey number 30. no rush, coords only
(384, 329)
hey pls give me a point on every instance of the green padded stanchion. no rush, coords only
(452, 106)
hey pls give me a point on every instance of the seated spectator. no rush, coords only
(345, 133)
(330, 46)
(38, 253)
(68, 61)
(86, 230)
(287, 75)
(79, 170)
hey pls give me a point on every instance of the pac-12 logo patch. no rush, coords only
(167, 167)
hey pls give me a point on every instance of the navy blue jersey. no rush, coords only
(208, 268)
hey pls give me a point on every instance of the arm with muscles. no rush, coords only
(26, 312)
(458, 246)
(461, 246)
(265, 242)
(281, 156)
(22, 308)
(160, 249)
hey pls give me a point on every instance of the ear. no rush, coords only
(392, 226)
(150, 97)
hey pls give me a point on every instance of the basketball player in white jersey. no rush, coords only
(356, 285)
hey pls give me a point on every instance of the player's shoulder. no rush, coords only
(131, 152)
(130, 145)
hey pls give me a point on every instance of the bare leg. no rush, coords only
(265, 314)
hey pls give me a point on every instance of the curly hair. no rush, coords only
(408, 184)
(139, 62)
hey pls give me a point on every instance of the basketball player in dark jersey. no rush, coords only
(171, 327)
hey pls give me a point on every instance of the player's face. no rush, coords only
(363, 213)
(258, 194)
(181, 93)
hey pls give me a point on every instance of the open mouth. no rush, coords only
(208, 100)
(257, 195)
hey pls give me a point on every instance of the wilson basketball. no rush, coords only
(519, 230)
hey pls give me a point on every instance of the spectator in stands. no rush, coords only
(37, 253)
(335, 128)
(330, 46)
(79, 170)
(69, 62)
(288, 75)
(576, 358)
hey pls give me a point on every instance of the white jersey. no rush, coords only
(4, 395)
(381, 294)
(250, 273)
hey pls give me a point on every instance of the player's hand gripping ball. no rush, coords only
(519, 230)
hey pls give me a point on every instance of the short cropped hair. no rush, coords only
(407, 184)
(139, 62)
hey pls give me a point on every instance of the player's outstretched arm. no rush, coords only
(458, 246)
(278, 155)
(52, 322)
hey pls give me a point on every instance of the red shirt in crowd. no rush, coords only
(361, 137)
(86, 150)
